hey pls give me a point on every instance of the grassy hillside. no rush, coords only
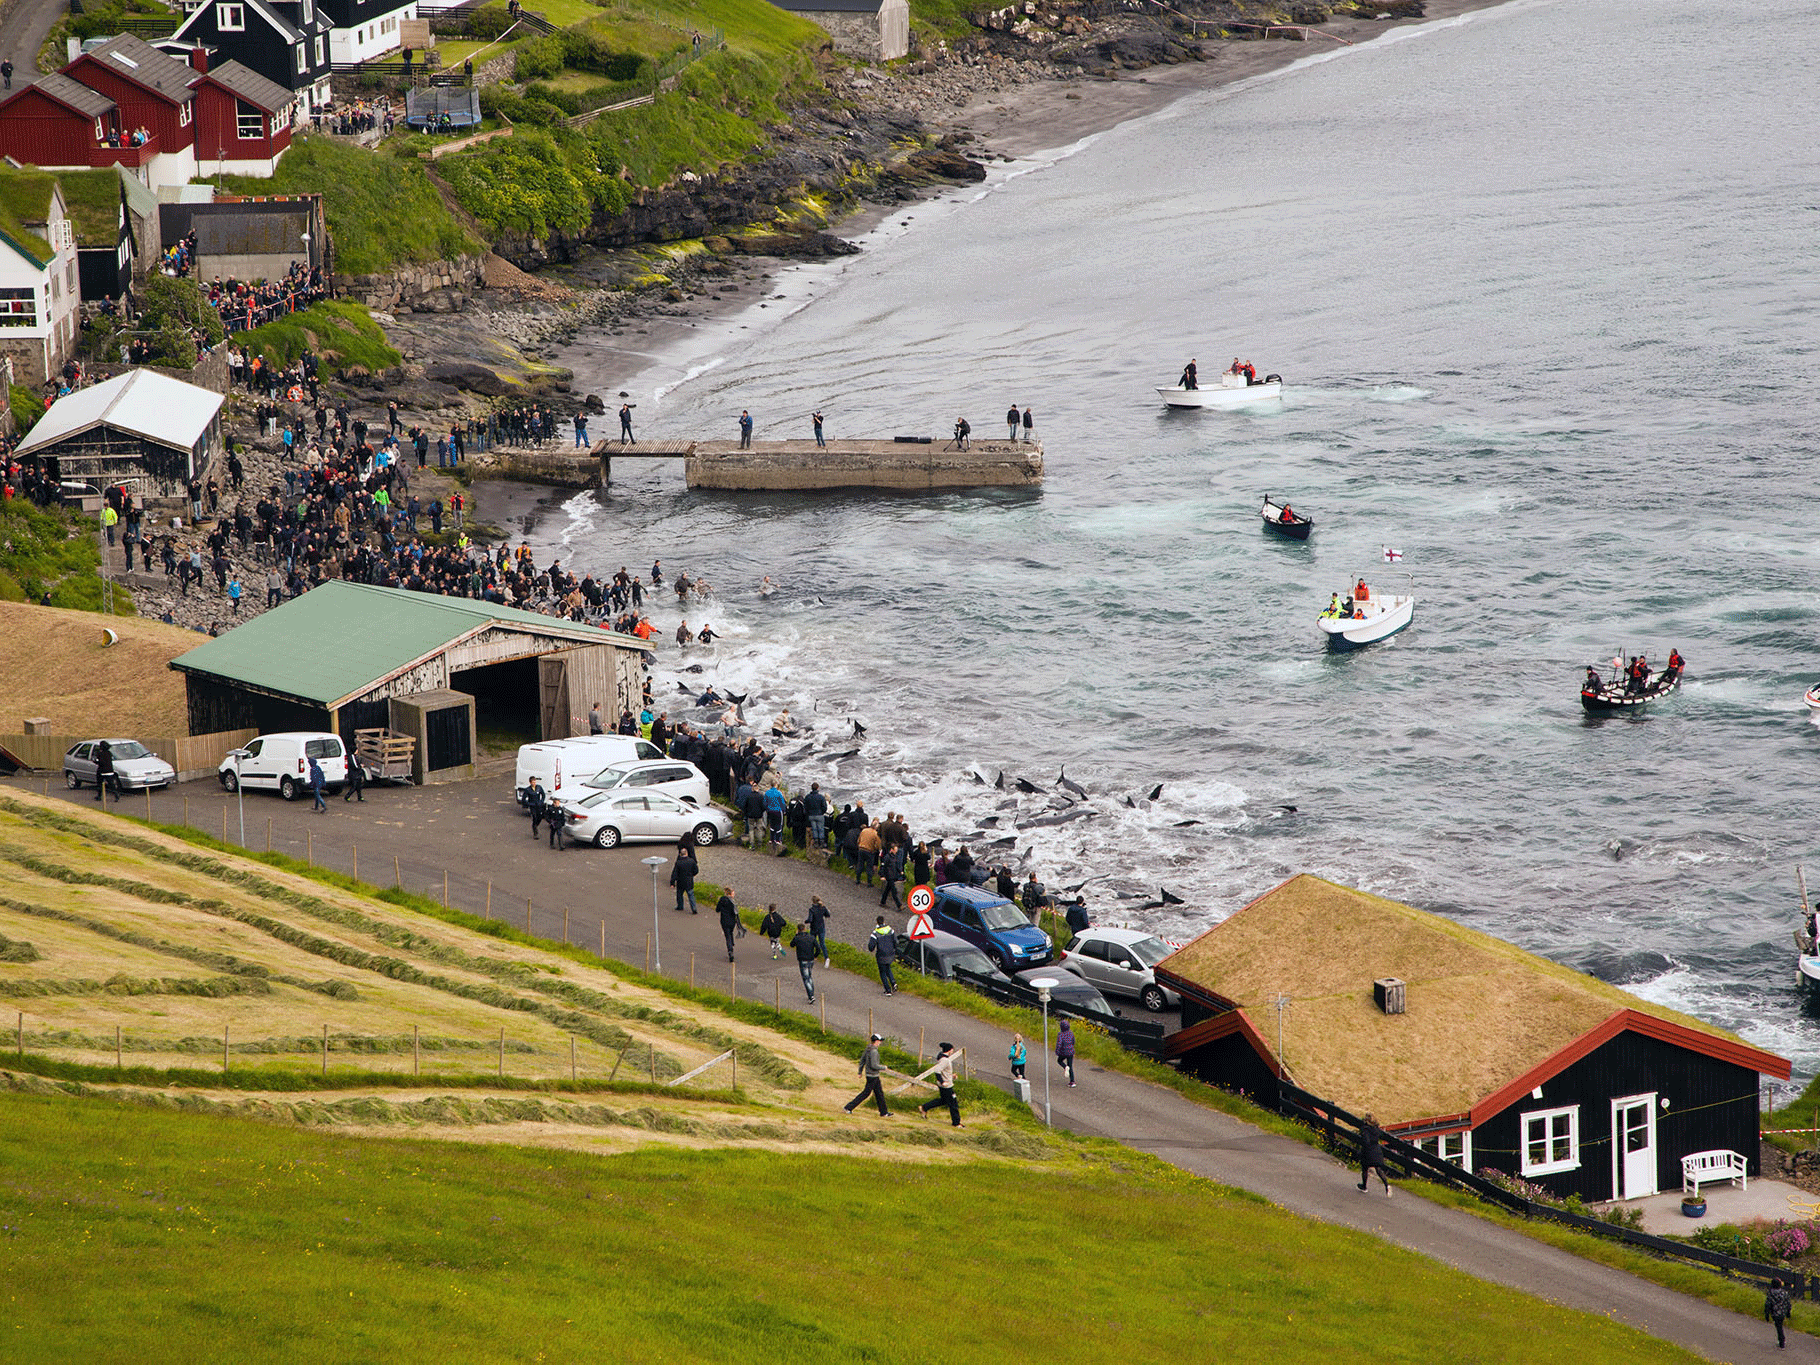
(55, 663)
(48, 549)
(342, 333)
(382, 209)
(169, 1230)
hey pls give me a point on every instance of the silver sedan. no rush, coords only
(609, 818)
(135, 766)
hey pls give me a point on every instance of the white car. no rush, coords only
(560, 765)
(281, 763)
(609, 818)
(672, 776)
(1122, 962)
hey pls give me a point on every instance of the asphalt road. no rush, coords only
(472, 834)
(23, 26)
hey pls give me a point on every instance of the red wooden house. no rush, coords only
(154, 94)
(243, 120)
(60, 124)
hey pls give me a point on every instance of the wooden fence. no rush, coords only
(191, 755)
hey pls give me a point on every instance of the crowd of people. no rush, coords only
(244, 306)
(362, 116)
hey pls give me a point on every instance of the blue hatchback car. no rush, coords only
(994, 925)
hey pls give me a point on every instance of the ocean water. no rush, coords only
(1541, 282)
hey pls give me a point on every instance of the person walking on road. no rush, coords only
(1778, 1302)
(772, 926)
(818, 926)
(536, 804)
(316, 783)
(1371, 1155)
(682, 877)
(557, 819)
(944, 1082)
(883, 947)
(355, 789)
(1019, 1055)
(729, 919)
(804, 944)
(6, 72)
(1064, 1049)
(873, 1070)
(891, 872)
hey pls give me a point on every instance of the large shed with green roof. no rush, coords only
(350, 656)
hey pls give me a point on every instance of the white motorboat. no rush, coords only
(1230, 391)
(1812, 698)
(1355, 619)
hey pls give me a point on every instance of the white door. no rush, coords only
(1633, 1141)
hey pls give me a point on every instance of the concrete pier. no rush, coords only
(779, 466)
(776, 466)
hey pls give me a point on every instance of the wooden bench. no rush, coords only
(1703, 1168)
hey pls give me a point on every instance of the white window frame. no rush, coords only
(230, 18)
(319, 50)
(1452, 1147)
(245, 114)
(1548, 1121)
(100, 131)
(303, 59)
(184, 111)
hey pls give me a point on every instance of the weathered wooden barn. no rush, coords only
(350, 656)
(144, 429)
(1482, 1053)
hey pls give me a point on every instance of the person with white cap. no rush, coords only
(944, 1080)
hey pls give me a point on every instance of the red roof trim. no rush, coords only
(1631, 1021)
(1218, 1027)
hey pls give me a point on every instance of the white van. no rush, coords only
(281, 763)
(562, 765)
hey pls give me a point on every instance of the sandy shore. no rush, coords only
(1040, 117)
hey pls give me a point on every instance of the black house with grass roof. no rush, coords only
(1482, 1053)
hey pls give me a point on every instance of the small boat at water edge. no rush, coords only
(1812, 697)
(1366, 616)
(1281, 518)
(1622, 690)
(1236, 388)
(1807, 949)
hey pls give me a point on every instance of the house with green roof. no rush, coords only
(105, 237)
(349, 656)
(1464, 1044)
(39, 285)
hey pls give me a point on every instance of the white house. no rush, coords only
(365, 29)
(40, 287)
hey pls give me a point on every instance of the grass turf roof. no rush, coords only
(25, 197)
(1480, 1012)
(341, 638)
(92, 200)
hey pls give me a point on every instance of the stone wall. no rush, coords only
(433, 287)
(777, 466)
(874, 37)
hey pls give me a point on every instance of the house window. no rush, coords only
(18, 308)
(1454, 1147)
(249, 123)
(184, 111)
(302, 60)
(319, 52)
(1551, 1141)
(100, 131)
(230, 18)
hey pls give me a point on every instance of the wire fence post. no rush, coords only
(647, 952)
(691, 971)
(616, 1061)
(445, 888)
(565, 924)
(651, 1048)
(268, 834)
(527, 914)
(355, 848)
(733, 979)
(224, 822)
(489, 898)
(186, 812)
(603, 938)
(824, 1004)
(309, 847)
(736, 1071)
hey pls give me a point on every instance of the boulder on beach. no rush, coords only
(466, 375)
(946, 165)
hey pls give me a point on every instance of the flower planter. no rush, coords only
(1693, 1206)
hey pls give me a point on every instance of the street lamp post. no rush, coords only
(240, 793)
(1043, 984)
(654, 862)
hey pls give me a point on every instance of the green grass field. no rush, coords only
(165, 1235)
(341, 332)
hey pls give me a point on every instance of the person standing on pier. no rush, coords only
(816, 418)
(1012, 420)
(745, 430)
(962, 430)
(581, 429)
(625, 425)
(1029, 424)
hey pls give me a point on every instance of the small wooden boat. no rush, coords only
(1612, 692)
(1281, 518)
(1807, 948)
(1230, 391)
(1353, 620)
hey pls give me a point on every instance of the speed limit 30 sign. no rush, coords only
(922, 901)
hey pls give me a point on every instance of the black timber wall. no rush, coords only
(1712, 1105)
(215, 705)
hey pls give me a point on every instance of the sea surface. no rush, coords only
(1542, 283)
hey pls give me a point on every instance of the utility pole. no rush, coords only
(1281, 1003)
